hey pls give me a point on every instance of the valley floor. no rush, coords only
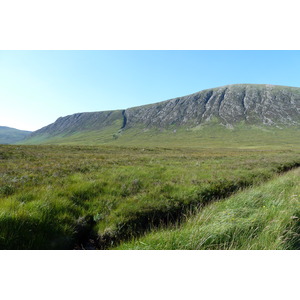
(100, 197)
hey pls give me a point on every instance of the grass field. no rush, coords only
(209, 135)
(261, 218)
(98, 197)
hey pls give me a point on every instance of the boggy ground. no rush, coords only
(260, 218)
(66, 197)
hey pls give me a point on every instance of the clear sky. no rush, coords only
(37, 87)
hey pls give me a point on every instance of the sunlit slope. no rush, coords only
(81, 128)
(208, 136)
(231, 115)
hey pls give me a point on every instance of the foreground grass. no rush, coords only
(65, 197)
(266, 217)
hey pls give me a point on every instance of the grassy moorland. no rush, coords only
(261, 218)
(210, 135)
(66, 197)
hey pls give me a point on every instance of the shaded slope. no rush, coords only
(11, 135)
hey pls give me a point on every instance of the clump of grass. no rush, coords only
(265, 217)
(41, 224)
(7, 190)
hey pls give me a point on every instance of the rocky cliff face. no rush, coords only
(80, 122)
(252, 104)
(228, 105)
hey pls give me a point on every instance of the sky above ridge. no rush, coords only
(37, 87)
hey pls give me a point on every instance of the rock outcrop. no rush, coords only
(251, 104)
(80, 122)
(229, 105)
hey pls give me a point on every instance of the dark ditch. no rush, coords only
(143, 221)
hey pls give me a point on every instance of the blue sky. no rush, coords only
(37, 87)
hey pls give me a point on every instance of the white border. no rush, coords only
(149, 25)
(149, 274)
(185, 25)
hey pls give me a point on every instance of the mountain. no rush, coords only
(232, 106)
(252, 104)
(81, 122)
(11, 135)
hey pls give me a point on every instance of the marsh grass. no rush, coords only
(66, 197)
(261, 218)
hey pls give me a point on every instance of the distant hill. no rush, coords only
(11, 135)
(229, 107)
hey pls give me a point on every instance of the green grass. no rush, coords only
(203, 136)
(84, 137)
(266, 217)
(65, 197)
(213, 136)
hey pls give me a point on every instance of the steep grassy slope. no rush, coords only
(225, 111)
(11, 135)
(204, 136)
(212, 136)
(266, 217)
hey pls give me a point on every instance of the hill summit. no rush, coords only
(248, 104)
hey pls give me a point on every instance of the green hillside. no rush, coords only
(218, 169)
(247, 114)
(205, 136)
(11, 135)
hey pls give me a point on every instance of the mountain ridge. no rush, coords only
(229, 105)
(218, 102)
